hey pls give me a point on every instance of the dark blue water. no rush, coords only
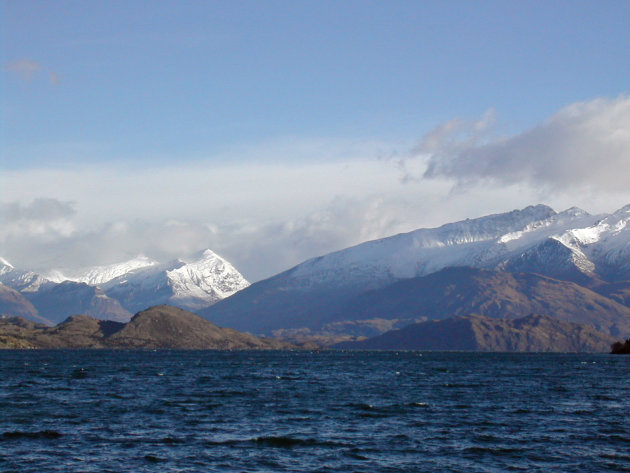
(177, 411)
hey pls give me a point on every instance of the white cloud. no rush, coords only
(585, 145)
(43, 219)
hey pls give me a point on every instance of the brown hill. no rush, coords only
(170, 327)
(534, 333)
(160, 327)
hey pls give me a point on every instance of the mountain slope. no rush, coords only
(533, 333)
(449, 292)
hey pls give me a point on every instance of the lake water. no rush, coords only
(204, 411)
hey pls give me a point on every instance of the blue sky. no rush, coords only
(261, 115)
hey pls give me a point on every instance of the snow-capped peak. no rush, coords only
(207, 277)
(98, 275)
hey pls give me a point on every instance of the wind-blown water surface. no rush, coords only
(189, 411)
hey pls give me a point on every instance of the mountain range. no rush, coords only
(117, 291)
(570, 265)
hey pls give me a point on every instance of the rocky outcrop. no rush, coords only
(619, 348)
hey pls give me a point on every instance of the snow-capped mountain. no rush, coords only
(119, 290)
(535, 239)
(571, 245)
(192, 284)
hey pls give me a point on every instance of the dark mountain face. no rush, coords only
(533, 333)
(617, 291)
(154, 328)
(267, 306)
(136, 297)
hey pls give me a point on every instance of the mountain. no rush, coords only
(161, 327)
(572, 246)
(533, 333)
(117, 291)
(20, 280)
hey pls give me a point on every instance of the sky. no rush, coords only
(276, 131)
